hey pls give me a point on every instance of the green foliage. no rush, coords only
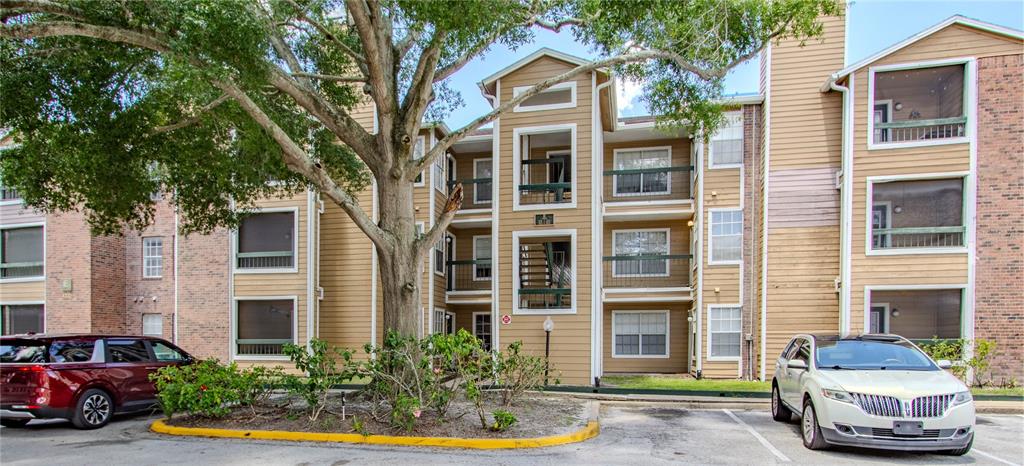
(321, 373)
(359, 427)
(953, 350)
(517, 372)
(210, 389)
(405, 412)
(502, 420)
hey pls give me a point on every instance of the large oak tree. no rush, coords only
(109, 100)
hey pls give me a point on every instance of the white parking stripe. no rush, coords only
(775, 451)
(992, 457)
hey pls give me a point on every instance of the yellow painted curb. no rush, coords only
(590, 431)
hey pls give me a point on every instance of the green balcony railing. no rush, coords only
(545, 298)
(557, 189)
(261, 346)
(915, 130)
(647, 271)
(476, 192)
(21, 270)
(917, 237)
(266, 260)
(469, 275)
(658, 183)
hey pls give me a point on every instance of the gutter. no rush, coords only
(845, 206)
(597, 225)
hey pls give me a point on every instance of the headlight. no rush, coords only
(837, 395)
(961, 398)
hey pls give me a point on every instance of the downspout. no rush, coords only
(495, 144)
(174, 318)
(845, 210)
(597, 226)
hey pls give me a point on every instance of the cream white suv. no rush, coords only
(874, 391)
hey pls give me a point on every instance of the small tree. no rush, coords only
(208, 99)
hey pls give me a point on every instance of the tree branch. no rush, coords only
(360, 61)
(192, 119)
(422, 87)
(378, 59)
(332, 77)
(10, 8)
(451, 206)
(65, 28)
(556, 26)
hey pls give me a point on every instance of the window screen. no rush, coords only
(267, 240)
(264, 326)
(726, 235)
(725, 327)
(482, 250)
(22, 318)
(727, 143)
(641, 333)
(640, 243)
(644, 182)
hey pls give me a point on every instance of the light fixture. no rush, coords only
(899, 106)
(689, 223)
(549, 324)
(897, 209)
(895, 313)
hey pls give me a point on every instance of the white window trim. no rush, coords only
(970, 89)
(144, 257)
(473, 325)
(711, 154)
(161, 316)
(668, 245)
(571, 85)
(26, 303)
(295, 244)
(707, 330)
(476, 192)
(475, 251)
(423, 174)
(615, 178)
(444, 254)
(967, 211)
(711, 237)
(668, 336)
(40, 278)
(517, 158)
(571, 233)
(883, 326)
(234, 327)
(438, 170)
(966, 310)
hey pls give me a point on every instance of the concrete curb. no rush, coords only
(591, 430)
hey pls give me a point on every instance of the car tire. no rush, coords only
(14, 423)
(780, 412)
(810, 431)
(93, 410)
(959, 451)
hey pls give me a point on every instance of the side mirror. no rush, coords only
(944, 363)
(796, 364)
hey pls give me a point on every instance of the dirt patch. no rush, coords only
(538, 415)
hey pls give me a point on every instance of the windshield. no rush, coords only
(871, 355)
(22, 351)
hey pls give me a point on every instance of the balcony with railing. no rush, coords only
(923, 214)
(266, 260)
(921, 104)
(647, 276)
(8, 193)
(476, 192)
(630, 193)
(261, 347)
(557, 185)
(470, 276)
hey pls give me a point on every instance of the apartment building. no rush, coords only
(881, 196)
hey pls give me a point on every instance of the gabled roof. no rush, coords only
(955, 19)
(529, 58)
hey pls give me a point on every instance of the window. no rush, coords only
(917, 214)
(918, 104)
(640, 334)
(636, 172)
(439, 254)
(127, 351)
(417, 153)
(917, 314)
(543, 167)
(482, 328)
(561, 95)
(726, 237)
(165, 353)
(726, 146)
(152, 257)
(438, 177)
(444, 322)
(482, 189)
(482, 257)
(8, 193)
(22, 318)
(71, 351)
(264, 326)
(647, 245)
(266, 240)
(153, 325)
(724, 327)
(21, 252)
(22, 351)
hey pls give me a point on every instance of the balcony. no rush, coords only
(647, 276)
(648, 193)
(265, 260)
(545, 275)
(919, 130)
(468, 281)
(922, 105)
(558, 191)
(475, 211)
(917, 215)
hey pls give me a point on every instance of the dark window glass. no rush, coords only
(21, 318)
(267, 232)
(71, 351)
(871, 355)
(22, 351)
(128, 351)
(165, 353)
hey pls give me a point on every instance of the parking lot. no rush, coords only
(634, 434)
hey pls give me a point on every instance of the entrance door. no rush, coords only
(482, 328)
(879, 319)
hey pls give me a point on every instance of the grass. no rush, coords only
(1016, 391)
(648, 382)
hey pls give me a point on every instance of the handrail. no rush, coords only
(542, 161)
(919, 123)
(544, 186)
(649, 257)
(265, 254)
(470, 261)
(917, 230)
(545, 290)
(263, 341)
(640, 171)
(470, 181)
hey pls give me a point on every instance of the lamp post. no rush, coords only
(549, 325)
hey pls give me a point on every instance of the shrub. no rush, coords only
(400, 376)
(322, 373)
(953, 350)
(502, 420)
(517, 372)
(210, 389)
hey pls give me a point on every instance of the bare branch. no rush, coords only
(10, 8)
(408, 41)
(332, 77)
(192, 119)
(66, 28)
(556, 26)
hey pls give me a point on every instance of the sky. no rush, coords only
(872, 25)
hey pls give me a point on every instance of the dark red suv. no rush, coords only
(84, 378)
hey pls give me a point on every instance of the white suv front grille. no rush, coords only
(930, 406)
(879, 405)
(890, 406)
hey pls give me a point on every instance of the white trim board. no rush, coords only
(295, 244)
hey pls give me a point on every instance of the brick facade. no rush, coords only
(204, 309)
(150, 295)
(68, 275)
(999, 279)
(748, 272)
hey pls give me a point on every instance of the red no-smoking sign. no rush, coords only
(506, 319)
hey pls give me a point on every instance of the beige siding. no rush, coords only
(570, 342)
(676, 362)
(953, 42)
(680, 148)
(23, 291)
(346, 274)
(679, 243)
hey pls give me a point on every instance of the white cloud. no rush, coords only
(628, 94)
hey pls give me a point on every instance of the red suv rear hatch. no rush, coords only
(22, 371)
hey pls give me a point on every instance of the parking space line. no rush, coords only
(992, 457)
(775, 451)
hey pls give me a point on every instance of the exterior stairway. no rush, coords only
(544, 277)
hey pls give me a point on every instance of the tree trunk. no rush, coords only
(401, 266)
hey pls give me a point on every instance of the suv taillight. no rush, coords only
(32, 368)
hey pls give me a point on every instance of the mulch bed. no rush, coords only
(538, 415)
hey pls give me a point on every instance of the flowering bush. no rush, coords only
(210, 389)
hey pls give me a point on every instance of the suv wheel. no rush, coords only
(93, 410)
(13, 422)
(809, 428)
(779, 411)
